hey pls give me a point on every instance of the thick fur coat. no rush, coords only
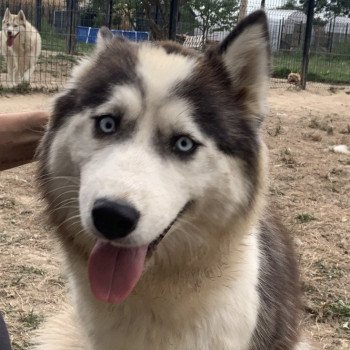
(155, 150)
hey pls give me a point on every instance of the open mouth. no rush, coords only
(10, 39)
(114, 271)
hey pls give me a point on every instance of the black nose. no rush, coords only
(114, 219)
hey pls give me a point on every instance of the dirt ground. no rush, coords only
(310, 188)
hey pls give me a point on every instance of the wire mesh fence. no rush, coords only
(41, 40)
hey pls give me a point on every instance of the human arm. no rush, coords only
(20, 134)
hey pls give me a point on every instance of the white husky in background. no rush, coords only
(155, 174)
(21, 45)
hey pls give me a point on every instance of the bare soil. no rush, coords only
(310, 188)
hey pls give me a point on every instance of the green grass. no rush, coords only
(22, 89)
(286, 157)
(328, 270)
(323, 67)
(32, 270)
(305, 217)
(31, 320)
(338, 309)
(54, 41)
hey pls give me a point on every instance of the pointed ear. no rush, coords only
(246, 56)
(104, 37)
(7, 14)
(21, 16)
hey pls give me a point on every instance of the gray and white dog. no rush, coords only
(155, 172)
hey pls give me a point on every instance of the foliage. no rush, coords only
(132, 14)
(214, 15)
(290, 5)
(330, 8)
(125, 13)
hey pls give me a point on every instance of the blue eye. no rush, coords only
(184, 144)
(106, 124)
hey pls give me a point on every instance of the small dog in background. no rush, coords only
(21, 45)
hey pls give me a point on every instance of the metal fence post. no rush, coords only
(174, 9)
(72, 9)
(332, 36)
(110, 14)
(38, 15)
(108, 6)
(307, 42)
(329, 34)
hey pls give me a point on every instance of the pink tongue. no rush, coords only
(10, 40)
(114, 272)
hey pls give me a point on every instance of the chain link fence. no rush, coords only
(68, 30)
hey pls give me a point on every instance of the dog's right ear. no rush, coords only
(7, 14)
(245, 53)
(104, 37)
(21, 16)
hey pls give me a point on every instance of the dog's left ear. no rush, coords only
(245, 53)
(7, 14)
(104, 37)
(21, 16)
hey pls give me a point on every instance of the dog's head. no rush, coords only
(155, 145)
(12, 25)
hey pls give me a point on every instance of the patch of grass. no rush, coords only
(3, 67)
(287, 157)
(25, 89)
(4, 238)
(274, 191)
(313, 136)
(305, 217)
(338, 309)
(31, 320)
(346, 130)
(32, 270)
(330, 271)
(277, 129)
(16, 346)
(323, 67)
(65, 57)
(54, 41)
(334, 188)
(324, 125)
(7, 203)
(308, 288)
(22, 88)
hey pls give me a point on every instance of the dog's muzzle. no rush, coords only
(10, 39)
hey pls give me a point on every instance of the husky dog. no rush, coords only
(21, 44)
(155, 173)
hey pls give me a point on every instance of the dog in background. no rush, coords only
(155, 174)
(21, 45)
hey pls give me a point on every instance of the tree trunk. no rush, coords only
(242, 9)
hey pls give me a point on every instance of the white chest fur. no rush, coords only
(220, 313)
